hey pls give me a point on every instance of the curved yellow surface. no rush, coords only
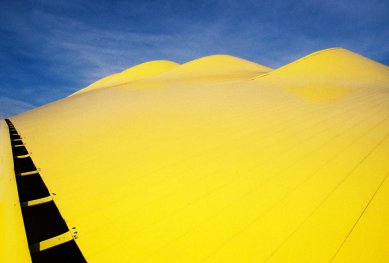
(332, 65)
(13, 240)
(207, 71)
(216, 67)
(327, 75)
(225, 169)
(137, 72)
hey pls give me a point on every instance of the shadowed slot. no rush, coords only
(66, 252)
(43, 222)
(31, 187)
(24, 165)
(19, 150)
(15, 136)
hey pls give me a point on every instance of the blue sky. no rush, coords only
(49, 49)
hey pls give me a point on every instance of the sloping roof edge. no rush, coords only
(13, 239)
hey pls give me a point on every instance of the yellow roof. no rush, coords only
(224, 160)
(215, 67)
(137, 72)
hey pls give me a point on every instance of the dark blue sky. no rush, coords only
(49, 49)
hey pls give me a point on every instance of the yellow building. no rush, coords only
(215, 160)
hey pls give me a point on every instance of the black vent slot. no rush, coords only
(43, 222)
(15, 136)
(20, 150)
(31, 187)
(67, 252)
(23, 165)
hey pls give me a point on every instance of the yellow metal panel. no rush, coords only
(13, 240)
(52, 242)
(135, 73)
(223, 160)
(368, 240)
